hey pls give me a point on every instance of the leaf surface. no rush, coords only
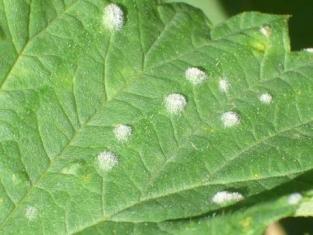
(67, 82)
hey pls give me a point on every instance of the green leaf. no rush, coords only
(252, 221)
(91, 132)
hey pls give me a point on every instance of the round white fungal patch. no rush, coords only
(294, 198)
(195, 75)
(230, 119)
(31, 213)
(224, 85)
(266, 31)
(224, 197)
(175, 103)
(113, 17)
(266, 98)
(122, 132)
(107, 160)
(309, 50)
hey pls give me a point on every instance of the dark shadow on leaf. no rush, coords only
(299, 184)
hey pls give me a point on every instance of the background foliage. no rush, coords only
(301, 30)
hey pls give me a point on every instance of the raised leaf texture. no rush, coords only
(67, 81)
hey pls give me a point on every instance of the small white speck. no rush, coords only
(31, 213)
(266, 31)
(226, 197)
(230, 119)
(175, 103)
(113, 17)
(106, 161)
(224, 85)
(266, 98)
(195, 75)
(294, 198)
(71, 169)
(122, 132)
(310, 50)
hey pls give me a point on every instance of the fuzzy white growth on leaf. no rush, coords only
(309, 50)
(294, 198)
(195, 75)
(266, 98)
(227, 197)
(266, 31)
(230, 119)
(122, 132)
(106, 161)
(224, 85)
(175, 103)
(113, 17)
(31, 213)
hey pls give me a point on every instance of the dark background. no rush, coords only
(300, 24)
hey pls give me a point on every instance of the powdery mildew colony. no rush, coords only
(266, 98)
(175, 103)
(195, 75)
(107, 160)
(31, 213)
(224, 197)
(122, 132)
(230, 119)
(294, 198)
(224, 85)
(113, 17)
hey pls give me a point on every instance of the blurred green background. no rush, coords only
(301, 23)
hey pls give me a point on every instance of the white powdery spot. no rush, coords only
(175, 103)
(224, 197)
(31, 213)
(113, 17)
(224, 85)
(266, 31)
(106, 161)
(266, 98)
(230, 119)
(122, 132)
(195, 75)
(294, 198)
(310, 50)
